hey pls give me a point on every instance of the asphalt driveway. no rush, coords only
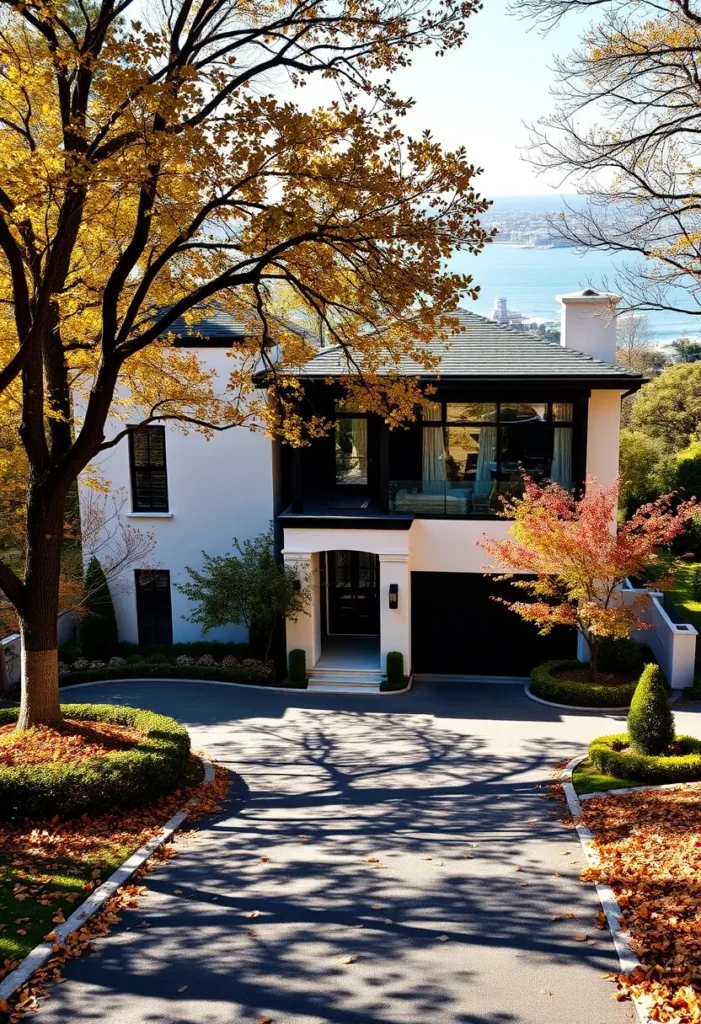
(386, 859)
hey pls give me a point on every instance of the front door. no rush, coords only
(353, 589)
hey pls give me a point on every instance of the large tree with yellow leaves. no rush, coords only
(155, 161)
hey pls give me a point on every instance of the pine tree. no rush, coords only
(97, 629)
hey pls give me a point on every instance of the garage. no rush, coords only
(459, 627)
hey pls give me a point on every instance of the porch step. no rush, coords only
(345, 680)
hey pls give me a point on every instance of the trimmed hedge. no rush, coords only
(297, 661)
(650, 719)
(610, 757)
(156, 670)
(217, 648)
(126, 778)
(545, 685)
(395, 669)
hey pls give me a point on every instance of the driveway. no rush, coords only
(384, 859)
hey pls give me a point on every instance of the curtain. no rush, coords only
(359, 469)
(485, 459)
(433, 444)
(562, 456)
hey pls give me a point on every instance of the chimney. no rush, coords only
(588, 323)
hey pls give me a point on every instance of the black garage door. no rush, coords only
(457, 628)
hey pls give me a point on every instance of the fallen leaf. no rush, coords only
(183, 988)
(253, 913)
(580, 938)
(444, 938)
(347, 959)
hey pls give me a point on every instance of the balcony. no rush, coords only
(424, 498)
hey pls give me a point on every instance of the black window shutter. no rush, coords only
(149, 477)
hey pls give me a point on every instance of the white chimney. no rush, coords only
(588, 323)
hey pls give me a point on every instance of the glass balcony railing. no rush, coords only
(453, 497)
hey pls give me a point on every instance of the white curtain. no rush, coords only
(485, 459)
(562, 447)
(433, 445)
(360, 451)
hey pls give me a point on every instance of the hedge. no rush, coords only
(126, 778)
(146, 670)
(218, 649)
(545, 685)
(610, 757)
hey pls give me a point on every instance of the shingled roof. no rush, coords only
(217, 329)
(484, 350)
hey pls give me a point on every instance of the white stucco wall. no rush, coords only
(603, 430)
(218, 489)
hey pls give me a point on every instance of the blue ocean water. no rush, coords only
(531, 278)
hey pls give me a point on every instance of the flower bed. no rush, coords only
(250, 670)
(549, 682)
(614, 756)
(153, 767)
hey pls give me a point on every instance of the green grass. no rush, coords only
(34, 877)
(682, 595)
(588, 779)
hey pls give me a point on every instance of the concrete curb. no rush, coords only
(621, 941)
(38, 956)
(572, 707)
(240, 686)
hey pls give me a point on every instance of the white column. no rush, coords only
(305, 633)
(395, 623)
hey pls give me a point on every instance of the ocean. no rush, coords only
(531, 278)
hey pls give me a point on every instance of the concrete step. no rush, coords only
(346, 678)
(334, 673)
(338, 686)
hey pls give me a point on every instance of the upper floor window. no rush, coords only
(351, 446)
(478, 444)
(149, 480)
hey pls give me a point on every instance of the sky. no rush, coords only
(481, 95)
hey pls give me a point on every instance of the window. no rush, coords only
(149, 481)
(153, 609)
(351, 439)
(475, 445)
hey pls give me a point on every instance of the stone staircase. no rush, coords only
(345, 680)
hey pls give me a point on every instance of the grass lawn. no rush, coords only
(588, 779)
(682, 594)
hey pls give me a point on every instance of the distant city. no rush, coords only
(527, 229)
(548, 330)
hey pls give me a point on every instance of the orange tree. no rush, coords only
(149, 169)
(576, 559)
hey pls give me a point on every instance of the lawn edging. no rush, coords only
(240, 686)
(38, 956)
(572, 707)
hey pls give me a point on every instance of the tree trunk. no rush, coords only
(593, 643)
(40, 703)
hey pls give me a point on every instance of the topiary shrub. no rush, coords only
(650, 719)
(560, 690)
(126, 778)
(297, 666)
(97, 629)
(395, 669)
(613, 755)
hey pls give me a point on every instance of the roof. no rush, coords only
(217, 329)
(486, 350)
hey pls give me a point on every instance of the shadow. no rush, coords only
(383, 861)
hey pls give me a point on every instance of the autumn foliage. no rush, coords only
(577, 560)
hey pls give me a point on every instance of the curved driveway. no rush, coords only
(388, 859)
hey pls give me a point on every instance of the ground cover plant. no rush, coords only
(650, 849)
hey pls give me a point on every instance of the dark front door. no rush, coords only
(459, 627)
(353, 582)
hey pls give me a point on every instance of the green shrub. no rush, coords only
(559, 690)
(650, 719)
(126, 778)
(158, 659)
(217, 649)
(624, 656)
(297, 665)
(613, 756)
(97, 629)
(395, 669)
(145, 670)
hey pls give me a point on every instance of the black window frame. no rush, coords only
(549, 425)
(164, 637)
(138, 505)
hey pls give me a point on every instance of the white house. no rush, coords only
(386, 523)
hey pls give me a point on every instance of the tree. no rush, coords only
(249, 588)
(634, 345)
(150, 174)
(686, 350)
(624, 132)
(577, 561)
(97, 627)
(669, 407)
(643, 468)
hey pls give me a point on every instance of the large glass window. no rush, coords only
(479, 444)
(351, 438)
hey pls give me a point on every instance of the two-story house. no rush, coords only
(386, 523)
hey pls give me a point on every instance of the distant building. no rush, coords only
(501, 314)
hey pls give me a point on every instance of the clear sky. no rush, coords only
(481, 95)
